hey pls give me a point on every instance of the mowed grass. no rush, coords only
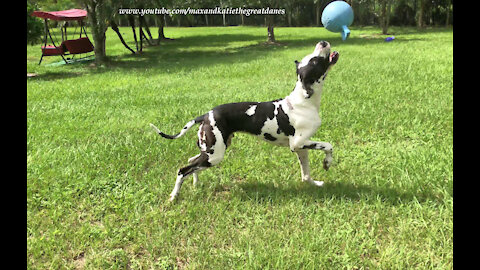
(98, 178)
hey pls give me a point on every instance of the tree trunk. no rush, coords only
(289, 18)
(420, 22)
(206, 19)
(223, 13)
(270, 25)
(145, 37)
(271, 34)
(142, 25)
(131, 21)
(389, 8)
(383, 10)
(98, 27)
(447, 21)
(384, 16)
(114, 27)
(140, 32)
(99, 49)
(317, 8)
(147, 29)
(161, 34)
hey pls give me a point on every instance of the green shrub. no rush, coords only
(34, 25)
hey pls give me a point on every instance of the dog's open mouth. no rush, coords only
(334, 57)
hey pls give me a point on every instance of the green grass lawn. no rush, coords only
(98, 178)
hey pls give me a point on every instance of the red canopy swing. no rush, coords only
(67, 47)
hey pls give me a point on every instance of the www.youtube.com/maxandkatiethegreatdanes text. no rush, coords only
(201, 11)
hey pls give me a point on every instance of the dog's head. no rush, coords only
(313, 68)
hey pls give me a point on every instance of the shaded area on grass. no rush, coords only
(51, 76)
(337, 190)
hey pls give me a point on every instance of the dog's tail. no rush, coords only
(182, 132)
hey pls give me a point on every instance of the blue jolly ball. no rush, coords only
(337, 16)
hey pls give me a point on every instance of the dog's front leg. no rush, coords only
(303, 142)
(302, 155)
(326, 147)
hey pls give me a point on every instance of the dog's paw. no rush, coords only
(313, 182)
(317, 183)
(172, 197)
(327, 162)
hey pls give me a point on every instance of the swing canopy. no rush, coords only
(63, 15)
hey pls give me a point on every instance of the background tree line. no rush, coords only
(104, 14)
(297, 12)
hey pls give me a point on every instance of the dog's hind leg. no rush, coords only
(195, 179)
(302, 155)
(195, 174)
(198, 163)
(212, 147)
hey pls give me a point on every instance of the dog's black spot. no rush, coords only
(266, 108)
(284, 123)
(313, 146)
(269, 137)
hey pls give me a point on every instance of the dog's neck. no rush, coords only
(298, 97)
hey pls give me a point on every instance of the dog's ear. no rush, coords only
(296, 63)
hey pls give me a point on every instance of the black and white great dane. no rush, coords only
(290, 121)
